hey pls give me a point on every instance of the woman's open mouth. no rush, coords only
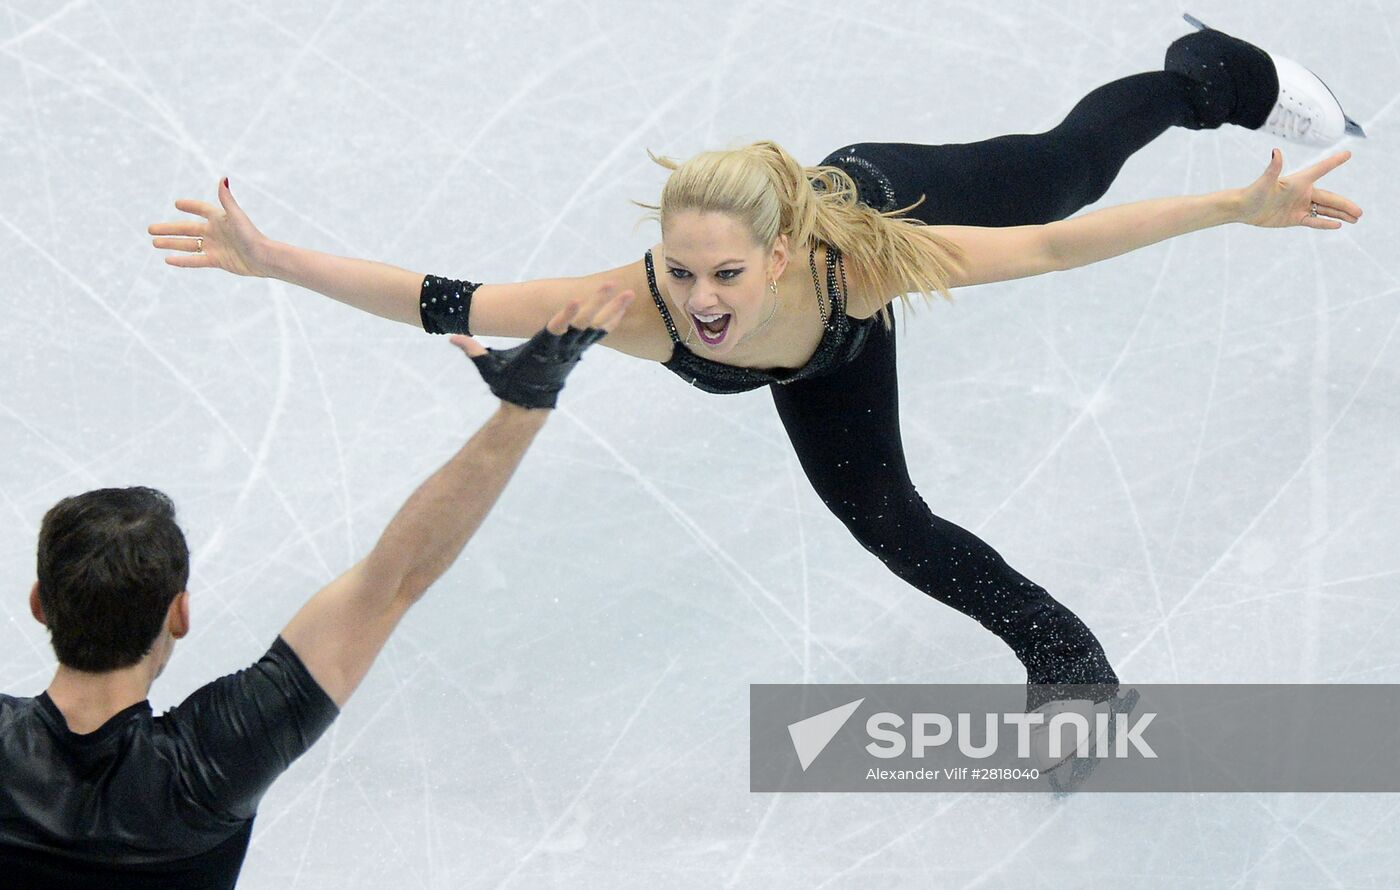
(712, 328)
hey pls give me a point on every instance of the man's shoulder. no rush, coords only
(16, 708)
(234, 735)
(14, 702)
(279, 673)
(17, 719)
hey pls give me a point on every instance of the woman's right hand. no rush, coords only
(228, 237)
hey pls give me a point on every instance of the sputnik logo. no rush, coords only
(811, 736)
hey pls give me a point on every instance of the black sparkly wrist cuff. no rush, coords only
(444, 305)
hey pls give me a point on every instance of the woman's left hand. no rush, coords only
(1275, 201)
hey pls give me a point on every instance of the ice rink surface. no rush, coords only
(1194, 446)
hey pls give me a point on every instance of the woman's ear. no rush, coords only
(778, 259)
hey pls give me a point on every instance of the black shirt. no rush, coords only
(148, 801)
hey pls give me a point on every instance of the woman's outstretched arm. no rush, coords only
(999, 254)
(231, 242)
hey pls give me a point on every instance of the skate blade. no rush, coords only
(1080, 768)
(1353, 128)
(1195, 22)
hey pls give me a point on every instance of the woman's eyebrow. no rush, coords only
(682, 265)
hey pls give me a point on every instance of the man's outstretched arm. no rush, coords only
(341, 630)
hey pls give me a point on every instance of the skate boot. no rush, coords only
(1238, 83)
(1041, 757)
(1071, 772)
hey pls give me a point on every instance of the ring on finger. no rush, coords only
(199, 242)
(1314, 209)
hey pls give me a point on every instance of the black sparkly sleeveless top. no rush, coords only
(842, 339)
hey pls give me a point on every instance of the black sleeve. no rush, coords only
(444, 305)
(240, 732)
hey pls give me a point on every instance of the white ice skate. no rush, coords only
(1041, 755)
(1306, 110)
(1069, 772)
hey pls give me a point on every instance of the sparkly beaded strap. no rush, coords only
(843, 292)
(660, 303)
(817, 283)
(833, 310)
(444, 305)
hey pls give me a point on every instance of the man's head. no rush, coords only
(113, 566)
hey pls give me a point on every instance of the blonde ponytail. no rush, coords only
(891, 255)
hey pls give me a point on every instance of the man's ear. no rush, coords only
(36, 606)
(177, 619)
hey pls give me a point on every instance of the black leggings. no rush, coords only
(845, 425)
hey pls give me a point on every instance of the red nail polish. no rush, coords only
(226, 185)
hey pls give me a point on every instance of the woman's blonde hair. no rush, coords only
(766, 188)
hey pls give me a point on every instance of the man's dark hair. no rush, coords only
(110, 563)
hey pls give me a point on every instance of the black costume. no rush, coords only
(149, 801)
(842, 339)
(841, 411)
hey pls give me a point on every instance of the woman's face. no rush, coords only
(719, 277)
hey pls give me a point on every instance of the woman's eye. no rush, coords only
(678, 274)
(729, 274)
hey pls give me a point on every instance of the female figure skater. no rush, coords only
(774, 274)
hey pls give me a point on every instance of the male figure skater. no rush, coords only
(97, 792)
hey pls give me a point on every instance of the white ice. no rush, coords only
(1195, 446)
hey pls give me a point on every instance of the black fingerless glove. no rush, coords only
(530, 375)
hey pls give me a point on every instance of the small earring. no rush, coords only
(773, 286)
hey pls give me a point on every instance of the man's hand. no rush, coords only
(530, 375)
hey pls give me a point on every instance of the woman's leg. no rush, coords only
(845, 429)
(1039, 178)
(1031, 179)
(845, 426)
